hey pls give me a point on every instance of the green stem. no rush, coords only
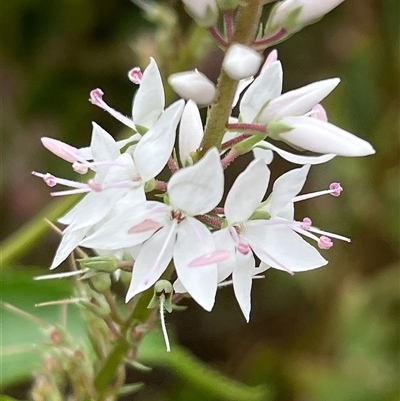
(246, 29)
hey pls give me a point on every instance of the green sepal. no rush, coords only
(150, 185)
(104, 263)
(140, 366)
(130, 388)
(229, 4)
(276, 127)
(248, 144)
(260, 215)
(101, 310)
(141, 129)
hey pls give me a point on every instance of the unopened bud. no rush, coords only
(241, 62)
(98, 306)
(193, 85)
(293, 15)
(100, 282)
(204, 12)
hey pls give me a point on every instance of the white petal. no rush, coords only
(242, 277)
(199, 188)
(70, 240)
(290, 157)
(242, 85)
(153, 259)
(149, 102)
(194, 240)
(103, 148)
(286, 187)
(247, 192)
(224, 240)
(266, 87)
(281, 248)
(298, 101)
(265, 154)
(323, 137)
(91, 209)
(154, 149)
(119, 227)
(190, 132)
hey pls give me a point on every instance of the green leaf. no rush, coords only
(20, 334)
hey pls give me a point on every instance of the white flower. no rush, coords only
(322, 137)
(277, 245)
(283, 114)
(192, 191)
(148, 103)
(193, 85)
(241, 62)
(295, 14)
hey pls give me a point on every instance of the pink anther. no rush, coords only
(325, 242)
(336, 188)
(135, 75)
(96, 97)
(306, 224)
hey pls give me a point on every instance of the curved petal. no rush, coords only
(224, 240)
(103, 148)
(153, 259)
(154, 149)
(292, 158)
(242, 277)
(199, 188)
(194, 240)
(286, 187)
(323, 137)
(70, 240)
(281, 248)
(149, 102)
(247, 192)
(298, 101)
(190, 131)
(267, 86)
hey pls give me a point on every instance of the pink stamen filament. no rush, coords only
(258, 128)
(216, 34)
(334, 190)
(96, 98)
(261, 43)
(234, 141)
(228, 24)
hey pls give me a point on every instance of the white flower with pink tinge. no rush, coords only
(192, 191)
(148, 103)
(288, 117)
(277, 246)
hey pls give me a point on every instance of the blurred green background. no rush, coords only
(326, 335)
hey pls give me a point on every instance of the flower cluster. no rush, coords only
(186, 233)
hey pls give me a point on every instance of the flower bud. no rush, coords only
(293, 15)
(241, 62)
(204, 12)
(319, 136)
(193, 85)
